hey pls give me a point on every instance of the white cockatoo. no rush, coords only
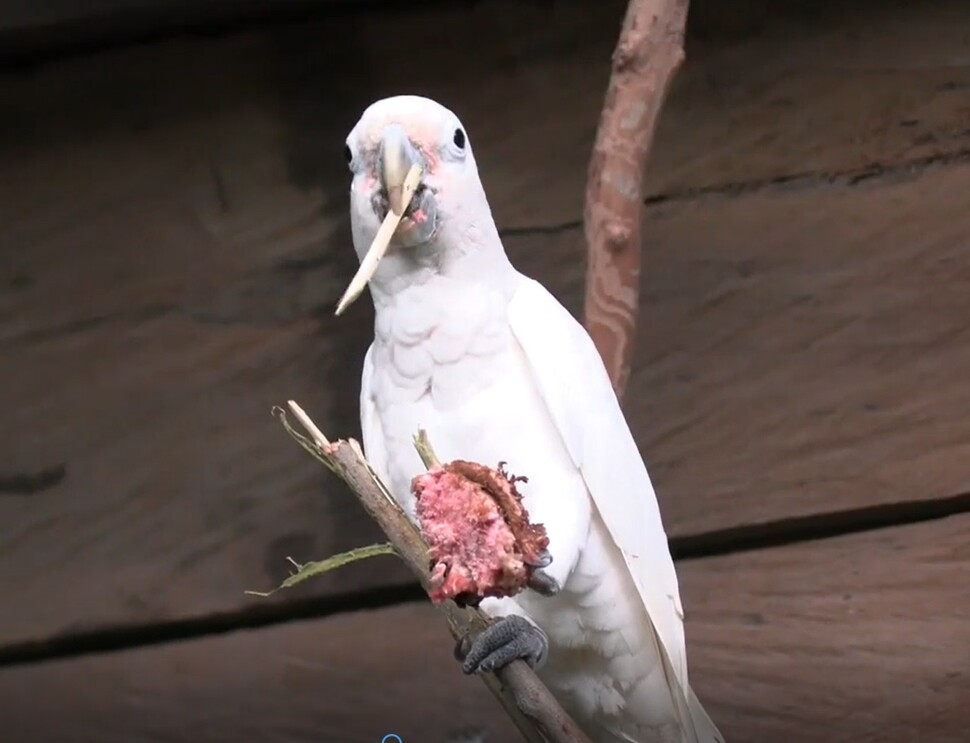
(495, 369)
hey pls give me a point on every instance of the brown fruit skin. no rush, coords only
(531, 539)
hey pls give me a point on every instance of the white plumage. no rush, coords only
(494, 368)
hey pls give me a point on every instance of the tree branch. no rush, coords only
(649, 53)
(525, 698)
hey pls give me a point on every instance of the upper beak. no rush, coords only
(395, 158)
(399, 169)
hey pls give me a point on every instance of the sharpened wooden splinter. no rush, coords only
(315, 433)
(381, 240)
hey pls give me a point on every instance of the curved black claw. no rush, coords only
(543, 583)
(508, 639)
(544, 561)
(462, 647)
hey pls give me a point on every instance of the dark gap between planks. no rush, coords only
(710, 544)
(872, 175)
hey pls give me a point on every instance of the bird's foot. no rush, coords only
(510, 638)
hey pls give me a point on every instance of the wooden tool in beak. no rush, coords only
(382, 239)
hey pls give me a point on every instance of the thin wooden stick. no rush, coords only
(381, 242)
(648, 54)
(525, 698)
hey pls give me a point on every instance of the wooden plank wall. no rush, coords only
(175, 236)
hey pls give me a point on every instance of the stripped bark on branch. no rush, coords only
(649, 53)
(525, 698)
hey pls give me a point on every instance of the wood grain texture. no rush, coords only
(799, 353)
(351, 679)
(175, 236)
(859, 639)
(646, 59)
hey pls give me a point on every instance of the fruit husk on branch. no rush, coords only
(478, 530)
(532, 707)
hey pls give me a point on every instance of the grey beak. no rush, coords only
(395, 158)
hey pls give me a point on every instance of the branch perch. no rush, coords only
(649, 53)
(525, 698)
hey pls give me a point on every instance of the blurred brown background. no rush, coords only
(173, 212)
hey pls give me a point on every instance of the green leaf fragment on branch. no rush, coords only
(308, 570)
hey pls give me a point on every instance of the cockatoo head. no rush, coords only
(448, 210)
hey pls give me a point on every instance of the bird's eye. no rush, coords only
(459, 139)
(348, 154)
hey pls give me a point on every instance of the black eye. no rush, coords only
(348, 155)
(459, 139)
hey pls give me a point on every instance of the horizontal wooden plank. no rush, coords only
(806, 354)
(348, 679)
(176, 501)
(798, 353)
(175, 234)
(857, 639)
(81, 16)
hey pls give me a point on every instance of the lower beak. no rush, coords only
(395, 158)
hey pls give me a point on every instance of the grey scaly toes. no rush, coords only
(508, 639)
